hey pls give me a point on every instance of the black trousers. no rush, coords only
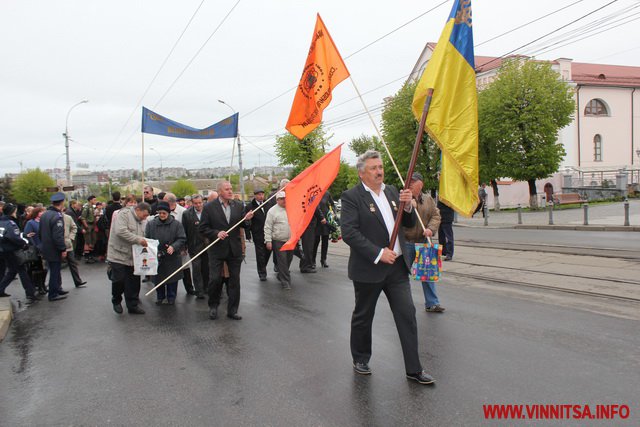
(323, 251)
(397, 288)
(308, 239)
(187, 280)
(215, 281)
(445, 238)
(123, 281)
(73, 268)
(79, 245)
(262, 255)
(13, 269)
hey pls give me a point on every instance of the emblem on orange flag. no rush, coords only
(305, 191)
(322, 72)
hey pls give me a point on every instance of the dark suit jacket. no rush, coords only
(256, 230)
(213, 221)
(366, 234)
(191, 224)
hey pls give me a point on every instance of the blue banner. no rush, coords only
(159, 125)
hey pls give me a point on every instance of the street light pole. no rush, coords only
(239, 153)
(161, 169)
(66, 140)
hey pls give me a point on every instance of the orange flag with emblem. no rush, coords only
(323, 71)
(304, 192)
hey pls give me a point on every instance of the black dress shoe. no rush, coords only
(324, 264)
(136, 310)
(263, 279)
(199, 296)
(4, 295)
(191, 292)
(213, 313)
(61, 292)
(234, 316)
(57, 298)
(308, 270)
(33, 298)
(421, 377)
(117, 307)
(361, 368)
(81, 285)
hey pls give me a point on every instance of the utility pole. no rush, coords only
(66, 141)
(239, 153)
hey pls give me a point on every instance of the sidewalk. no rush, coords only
(609, 217)
(6, 314)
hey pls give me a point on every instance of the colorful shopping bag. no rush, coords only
(427, 264)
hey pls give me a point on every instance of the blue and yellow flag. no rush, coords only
(160, 125)
(453, 116)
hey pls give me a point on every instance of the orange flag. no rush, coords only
(323, 71)
(304, 192)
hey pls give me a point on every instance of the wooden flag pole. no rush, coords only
(210, 244)
(384, 144)
(412, 165)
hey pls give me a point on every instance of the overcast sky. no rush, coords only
(57, 53)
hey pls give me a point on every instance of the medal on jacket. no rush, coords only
(395, 208)
(371, 207)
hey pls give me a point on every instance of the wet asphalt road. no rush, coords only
(287, 363)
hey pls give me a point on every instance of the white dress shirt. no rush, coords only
(383, 205)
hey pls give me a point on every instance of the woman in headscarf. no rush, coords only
(171, 237)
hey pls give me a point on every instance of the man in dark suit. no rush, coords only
(368, 216)
(53, 248)
(217, 217)
(256, 232)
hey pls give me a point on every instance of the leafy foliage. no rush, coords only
(520, 114)
(363, 143)
(347, 178)
(30, 187)
(183, 188)
(399, 129)
(300, 153)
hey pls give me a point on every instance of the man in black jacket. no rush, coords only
(10, 242)
(445, 231)
(256, 232)
(53, 247)
(368, 217)
(191, 219)
(218, 217)
(112, 207)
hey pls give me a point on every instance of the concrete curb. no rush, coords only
(6, 314)
(554, 227)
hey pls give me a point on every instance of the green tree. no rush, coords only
(520, 114)
(5, 190)
(364, 142)
(300, 153)
(399, 129)
(30, 187)
(183, 187)
(347, 178)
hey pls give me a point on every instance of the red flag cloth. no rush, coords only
(304, 192)
(323, 70)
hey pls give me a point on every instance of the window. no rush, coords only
(596, 107)
(597, 148)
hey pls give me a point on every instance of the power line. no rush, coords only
(527, 23)
(183, 70)
(548, 34)
(164, 62)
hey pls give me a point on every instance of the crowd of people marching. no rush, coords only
(32, 237)
(203, 244)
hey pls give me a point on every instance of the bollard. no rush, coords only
(585, 207)
(550, 213)
(519, 214)
(626, 212)
(485, 211)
